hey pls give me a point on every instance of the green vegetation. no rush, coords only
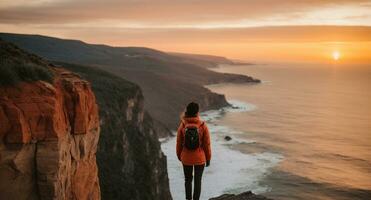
(17, 66)
(14, 72)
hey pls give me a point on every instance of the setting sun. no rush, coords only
(336, 55)
(185, 99)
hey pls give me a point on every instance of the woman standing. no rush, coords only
(193, 149)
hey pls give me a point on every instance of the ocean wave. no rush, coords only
(230, 170)
(264, 81)
(235, 106)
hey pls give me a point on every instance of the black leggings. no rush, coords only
(198, 169)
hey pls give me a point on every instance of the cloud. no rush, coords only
(184, 36)
(157, 13)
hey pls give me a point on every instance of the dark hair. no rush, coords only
(191, 110)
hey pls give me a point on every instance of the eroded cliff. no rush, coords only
(49, 132)
(130, 161)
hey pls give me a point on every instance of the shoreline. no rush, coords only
(304, 172)
(239, 171)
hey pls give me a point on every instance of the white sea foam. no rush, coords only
(235, 106)
(263, 81)
(239, 106)
(230, 170)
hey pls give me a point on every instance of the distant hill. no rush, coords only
(202, 60)
(168, 81)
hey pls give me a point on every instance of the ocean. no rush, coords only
(303, 133)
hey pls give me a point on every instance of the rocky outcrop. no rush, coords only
(243, 196)
(49, 133)
(161, 129)
(130, 161)
(48, 139)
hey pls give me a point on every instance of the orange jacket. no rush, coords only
(200, 155)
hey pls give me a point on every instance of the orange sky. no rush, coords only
(291, 30)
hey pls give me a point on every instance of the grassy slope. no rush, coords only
(17, 66)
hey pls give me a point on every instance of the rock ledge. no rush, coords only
(243, 196)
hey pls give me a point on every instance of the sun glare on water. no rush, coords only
(336, 55)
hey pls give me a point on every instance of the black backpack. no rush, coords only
(191, 136)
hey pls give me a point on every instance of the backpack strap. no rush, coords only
(201, 138)
(199, 126)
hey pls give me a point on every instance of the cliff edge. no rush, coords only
(49, 131)
(130, 161)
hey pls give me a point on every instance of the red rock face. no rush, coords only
(48, 140)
